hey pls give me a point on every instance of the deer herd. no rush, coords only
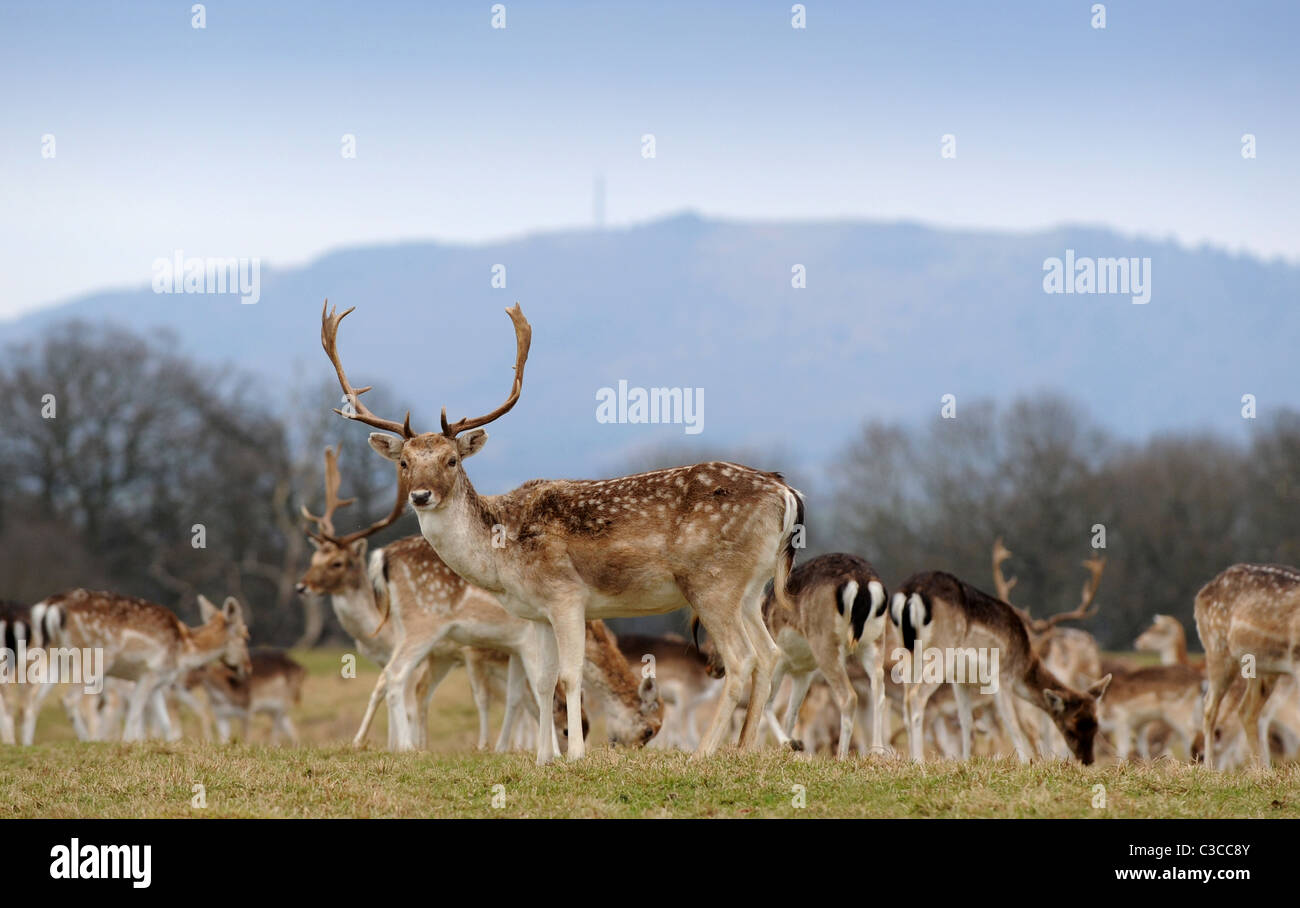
(516, 587)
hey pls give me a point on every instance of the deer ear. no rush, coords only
(315, 543)
(1055, 702)
(389, 446)
(649, 692)
(359, 548)
(206, 609)
(471, 443)
(1099, 687)
(231, 609)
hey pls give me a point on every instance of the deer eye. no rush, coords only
(452, 462)
(403, 464)
(337, 564)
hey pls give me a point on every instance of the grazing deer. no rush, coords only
(561, 552)
(18, 626)
(686, 678)
(273, 685)
(492, 668)
(935, 609)
(438, 613)
(146, 643)
(839, 604)
(1069, 653)
(1249, 615)
(1166, 637)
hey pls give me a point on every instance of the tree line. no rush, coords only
(125, 466)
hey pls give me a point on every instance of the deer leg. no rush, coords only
(769, 710)
(1007, 716)
(873, 660)
(571, 642)
(543, 682)
(284, 722)
(725, 626)
(846, 698)
(6, 722)
(136, 705)
(918, 695)
(161, 719)
(799, 685)
(31, 710)
(1218, 673)
(515, 671)
(479, 690)
(1256, 720)
(375, 696)
(961, 696)
(223, 727)
(766, 656)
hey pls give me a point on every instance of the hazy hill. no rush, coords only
(893, 317)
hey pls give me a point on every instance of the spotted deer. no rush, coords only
(1248, 619)
(1070, 653)
(562, 552)
(435, 620)
(935, 609)
(687, 681)
(146, 643)
(839, 605)
(338, 569)
(438, 613)
(272, 688)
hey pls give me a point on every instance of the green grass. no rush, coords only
(61, 777)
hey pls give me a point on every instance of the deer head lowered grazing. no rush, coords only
(707, 536)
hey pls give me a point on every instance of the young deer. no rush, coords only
(273, 685)
(438, 613)
(935, 609)
(435, 615)
(561, 552)
(839, 604)
(146, 643)
(1249, 614)
(686, 679)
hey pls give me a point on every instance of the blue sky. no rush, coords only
(225, 141)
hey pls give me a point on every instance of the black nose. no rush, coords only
(302, 587)
(421, 496)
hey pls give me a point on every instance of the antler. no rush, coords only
(1095, 565)
(329, 339)
(523, 339)
(1004, 586)
(325, 523)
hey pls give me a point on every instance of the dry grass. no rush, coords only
(61, 777)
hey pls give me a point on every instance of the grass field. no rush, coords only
(325, 777)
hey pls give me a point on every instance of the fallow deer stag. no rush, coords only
(1250, 613)
(146, 643)
(438, 621)
(1070, 653)
(839, 605)
(935, 609)
(707, 536)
